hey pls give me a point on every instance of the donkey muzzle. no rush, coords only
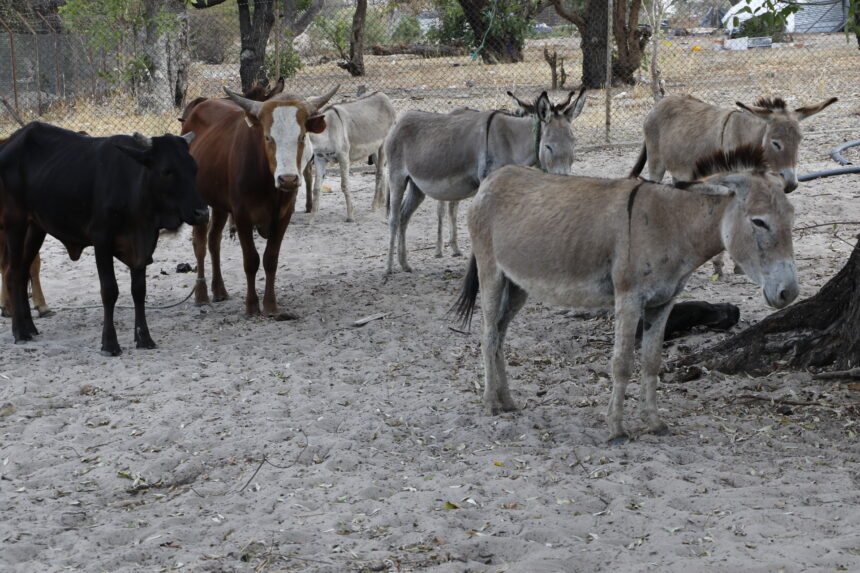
(790, 177)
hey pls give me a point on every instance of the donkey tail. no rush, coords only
(464, 308)
(640, 162)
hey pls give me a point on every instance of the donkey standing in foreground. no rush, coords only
(588, 242)
(354, 130)
(447, 156)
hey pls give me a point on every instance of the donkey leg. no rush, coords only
(381, 178)
(343, 161)
(627, 313)
(397, 187)
(656, 169)
(319, 176)
(440, 218)
(452, 231)
(652, 358)
(414, 198)
(500, 301)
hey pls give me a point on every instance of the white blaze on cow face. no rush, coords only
(287, 136)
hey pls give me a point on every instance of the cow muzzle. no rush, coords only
(288, 182)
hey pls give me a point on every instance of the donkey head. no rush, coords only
(782, 136)
(756, 228)
(286, 121)
(554, 139)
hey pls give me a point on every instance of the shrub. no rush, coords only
(290, 63)
(761, 25)
(408, 30)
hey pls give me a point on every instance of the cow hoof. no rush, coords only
(106, 352)
(220, 298)
(46, 313)
(146, 344)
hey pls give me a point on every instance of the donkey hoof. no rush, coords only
(350, 220)
(46, 313)
(662, 431)
(457, 254)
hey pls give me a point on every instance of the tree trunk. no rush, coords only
(254, 30)
(594, 44)
(355, 64)
(819, 332)
(165, 42)
(630, 41)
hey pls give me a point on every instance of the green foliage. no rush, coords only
(336, 28)
(762, 25)
(103, 23)
(408, 30)
(335, 31)
(452, 29)
(290, 63)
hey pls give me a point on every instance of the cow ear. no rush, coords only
(315, 123)
(806, 111)
(142, 156)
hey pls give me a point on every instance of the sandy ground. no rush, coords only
(249, 444)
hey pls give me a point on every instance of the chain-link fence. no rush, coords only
(129, 65)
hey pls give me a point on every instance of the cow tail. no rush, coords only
(464, 308)
(640, 162)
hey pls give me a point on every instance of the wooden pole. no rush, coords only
(608, 85)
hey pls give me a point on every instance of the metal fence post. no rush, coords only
(14, 63)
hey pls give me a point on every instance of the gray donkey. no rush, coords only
(446, 156)
(588, 242)
(680, 130)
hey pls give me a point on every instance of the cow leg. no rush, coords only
(33, 240)
(201, 293)
(500, 301)
(5, 309)
(343, 162)
(381, 179)
(216, 232)
(142, 339)
(110, 292)
(652, 358)
(251, 261)
(308, 173)
(397, 186)
(627, 314)
(452, 231)
(319, 176)
(414, 198)
(38, 295)
(270, 266)
(440, 221)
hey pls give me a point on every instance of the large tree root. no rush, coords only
(819, 332)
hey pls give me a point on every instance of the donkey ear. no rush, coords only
(526, 107)
(806, 111)
(543, 107)
(703, 188)
(761, 112)
(315, 123)
(573, 110)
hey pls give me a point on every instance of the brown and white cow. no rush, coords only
(251, 156)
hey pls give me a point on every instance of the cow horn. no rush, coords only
(317, 102)
(250, 106)
(189, 137)
(142, 140)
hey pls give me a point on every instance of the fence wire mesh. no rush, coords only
(130, 65)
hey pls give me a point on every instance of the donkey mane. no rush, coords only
(770, 103)
(741, 158)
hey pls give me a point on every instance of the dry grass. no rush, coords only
(813, 67)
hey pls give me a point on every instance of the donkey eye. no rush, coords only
(548, 148)
(761, 223)
(777, 145)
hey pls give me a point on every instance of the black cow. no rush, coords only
(114, 193)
